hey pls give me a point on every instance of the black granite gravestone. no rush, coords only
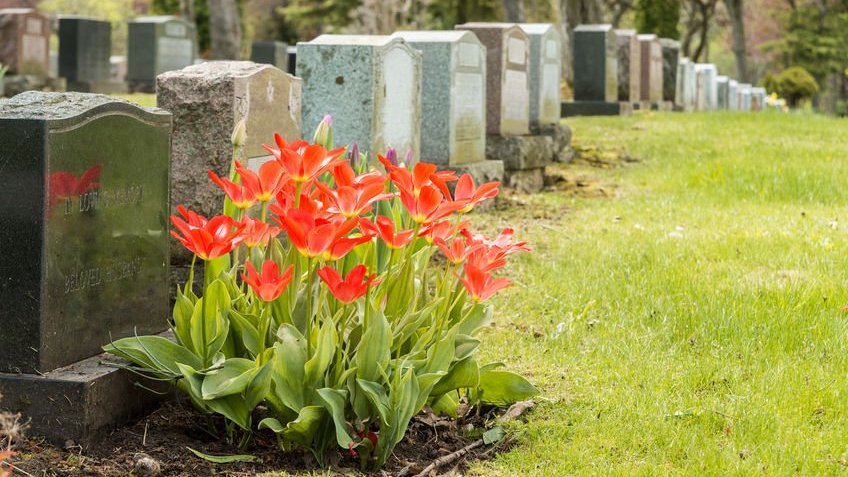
(85, 45)
(84, 234)
(292, 53)
(270, 53)
(671, 57)
(156, 45)
(595, 72)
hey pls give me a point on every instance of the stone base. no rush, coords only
(80, 402)
(595, 108)
(521, 152)
(102, 87)
(527, 180)
(480, 171)
(16, 84)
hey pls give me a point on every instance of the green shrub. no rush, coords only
(794, 84)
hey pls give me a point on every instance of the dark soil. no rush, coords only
(162, 438)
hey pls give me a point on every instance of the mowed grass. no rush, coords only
(690, 324)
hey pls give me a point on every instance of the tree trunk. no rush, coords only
(514, 11)
(224, 29)
(187, 10)
(737, 20)
(571, 14)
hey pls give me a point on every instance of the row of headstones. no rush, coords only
(619, 70)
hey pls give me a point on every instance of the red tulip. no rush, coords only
(344, 175)
(352, 287)
(257, 232)
(351, 201)
(493, 253)
(313, 236)
(385, 229)
(240, 196)
(480, 284)
(429, 205)
(302, 164)
(458, 249)
(470, 195)
(207, 239)
(265, 185)
(270, 284)
(422, 174)
(443, 230)
(5, 456)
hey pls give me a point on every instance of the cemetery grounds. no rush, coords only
(682, 310)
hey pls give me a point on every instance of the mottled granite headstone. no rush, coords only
(453, 98)
(629, 62)
(207, 101)
(507, 76)
(156, 45)
(733, 95)
(671, 57)
(651, 83)
(24, 41)
(722, 93)
(595, 63)
(706, 87)
(370, 85)
(545, 73)
(85, 45)
(273, 53)
(86, 242)
(744, 96)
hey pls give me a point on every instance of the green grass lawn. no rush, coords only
(689, 323)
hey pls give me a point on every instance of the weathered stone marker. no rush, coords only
(595, 73)
(707, 88)
(370, 85)
(273, 53)
(685, 90)
(86, 254)
(722, 93)
(545, 73)
(156, 45)
(507, 75)
(733, 95)
(85, 46)
(629, 63)
(24, 41)
(744, 96)
(758, 99)
(651, 83)
(453, 99)
(671, 58)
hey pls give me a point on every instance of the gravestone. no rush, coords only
(758, 99)
(86, 254)
(507, 77)
(684, 90)
(651, 83)
(24, 41)
(722, 93)
(744, 95)
(733, 95)
(85, 46)
(453, 99)
(629, 63)
(706, 87)
(273, 53)
(291, 51)
(370, 85)
(545, 73)
(595, 73)
(156, 45)
(671, 58)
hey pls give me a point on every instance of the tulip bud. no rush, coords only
(391, 156)
(409, 158)
(324, 133)
(353, 155)
(239, 136)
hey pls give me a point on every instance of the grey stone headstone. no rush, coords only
(86, 244)
(744, 95)
(545, 73)
(24, 41)
(722, 93)
(207, 101)
(370, 85)
(85, 45)
(156, 45)
(273, 53)
(671, 57)
(684, 84)
(595, 63)
(651, 83)
(706, 86)
(629, 63)
(733, 95)
(758, 99)
(453, 98)
(118, 68)
(507, 76)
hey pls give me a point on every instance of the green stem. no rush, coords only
(309, 300)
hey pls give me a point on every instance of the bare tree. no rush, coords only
(379, 17)
(224, 29)
(571, 14)
(514, 11)
(187, 10)
(737, 21)
(699, 15)
(617, 9)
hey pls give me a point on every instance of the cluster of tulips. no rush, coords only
(324, 310)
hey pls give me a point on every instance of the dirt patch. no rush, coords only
(601, 157)
(160, 440)
(576, 183)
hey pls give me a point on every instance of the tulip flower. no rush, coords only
(385, 229)
(282, 145)
(457, 250)
(270, 284)
(324, 132)
(305, 164)
(257, 232)
(493, 253)
(344, 175)
(480, 284)
(351, 201)
(422, 174)
(352, 287)
(5, 456)
(239, 136)
(241, 197)
(265, 185)
(442, 230)
(429, 205)
(314, 236)
(214, 238)
(470, 195)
